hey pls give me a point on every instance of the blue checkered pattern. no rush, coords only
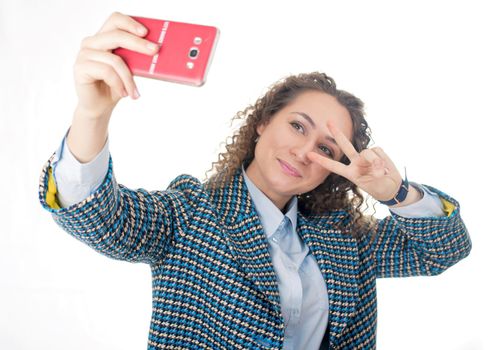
(213, 280)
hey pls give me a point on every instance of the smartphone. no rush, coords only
(185, 54)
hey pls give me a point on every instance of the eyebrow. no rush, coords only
(311, 122)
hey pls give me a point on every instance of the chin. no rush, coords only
(281, 183)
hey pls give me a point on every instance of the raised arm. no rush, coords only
(401, 246)
(132, 225)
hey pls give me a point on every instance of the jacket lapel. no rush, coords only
(246, 236)
(337, 256)
(335, 252)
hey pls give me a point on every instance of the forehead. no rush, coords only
(322, 107)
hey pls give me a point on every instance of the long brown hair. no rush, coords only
(336, 192)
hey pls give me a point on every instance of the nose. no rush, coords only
(300, 152)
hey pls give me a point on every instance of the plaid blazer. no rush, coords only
(213, 281)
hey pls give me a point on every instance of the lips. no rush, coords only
(290, 170)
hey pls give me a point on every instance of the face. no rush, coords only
(280, 168)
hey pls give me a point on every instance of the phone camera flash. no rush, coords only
(190, 65)
(197, 40)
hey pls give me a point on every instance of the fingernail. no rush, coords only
(136, 94)
(124, 93)
(141, 30)
(152, 46)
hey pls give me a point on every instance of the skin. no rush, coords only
(294, 155)
(102, 79)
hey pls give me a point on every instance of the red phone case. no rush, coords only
(174, 61)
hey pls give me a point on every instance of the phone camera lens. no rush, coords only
(193, 53)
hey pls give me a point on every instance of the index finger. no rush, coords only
(343, 142)
(118, 20)
(330, 164)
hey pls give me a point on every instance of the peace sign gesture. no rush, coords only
(371, 169)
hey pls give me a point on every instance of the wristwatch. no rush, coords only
(401, 193)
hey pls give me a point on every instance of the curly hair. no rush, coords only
(336, 192)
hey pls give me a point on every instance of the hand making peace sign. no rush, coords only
(371, 169)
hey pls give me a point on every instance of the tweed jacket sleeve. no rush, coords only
(124, 224)
(403, 247)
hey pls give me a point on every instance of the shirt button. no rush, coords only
(275, 239)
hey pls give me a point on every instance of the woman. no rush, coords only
(272, 251)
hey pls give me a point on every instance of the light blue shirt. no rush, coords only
(75, 181)
(303, 293)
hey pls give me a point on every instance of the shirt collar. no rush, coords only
(269, 214)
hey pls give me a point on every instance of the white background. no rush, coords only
(421, 67)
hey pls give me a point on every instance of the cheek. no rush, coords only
(273, 143)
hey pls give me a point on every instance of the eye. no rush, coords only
(326, 150)
(297, 126)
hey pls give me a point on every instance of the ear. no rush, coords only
(260, 128)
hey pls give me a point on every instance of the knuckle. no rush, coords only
(86, 41)
(76, 65)
(106, 71)
(118, 63)
(115, 14)
(82, 54)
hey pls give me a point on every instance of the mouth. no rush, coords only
(290, 170)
